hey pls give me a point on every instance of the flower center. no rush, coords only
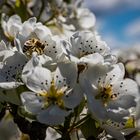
(53, 96)
(33, 45)
(105, 94)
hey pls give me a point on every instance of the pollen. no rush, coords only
(105, 94)
(53, 97)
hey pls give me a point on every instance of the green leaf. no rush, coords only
(22, 112)
(130, 123)
(12, 95)
(80, 107)
(89, 129)
(21, 9)
(17, 3)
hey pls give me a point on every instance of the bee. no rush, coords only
(33, 45)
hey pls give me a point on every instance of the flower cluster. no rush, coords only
(57, 72)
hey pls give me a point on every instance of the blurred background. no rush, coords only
(117, 21)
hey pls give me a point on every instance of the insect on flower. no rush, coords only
(33, 45)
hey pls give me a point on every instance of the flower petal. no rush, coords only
(113, 132)
(74, 97)
(94, 72)
(96, 107)
(66, 74)
(86, 18)
(53, 48)
(126, 102)
(116, 74)
(126, 87)
(38, 79)
(31, 102)
(53, 115)
(28, 26)
(12, 66)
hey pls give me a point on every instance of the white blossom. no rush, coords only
(110, 96)
(85, 43)
(11, 26)
(54, 94)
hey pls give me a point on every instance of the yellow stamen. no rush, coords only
(105, 94)
(53, 96)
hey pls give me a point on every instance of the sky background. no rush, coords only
(117, 21)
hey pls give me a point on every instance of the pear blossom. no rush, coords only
(56, 73)
(11, 65)
(53, 95)
(110, 96)
(82, 19)
(119, 130)
(128, 54)
(35, 37)
(10, 68)
(83, 44)
(87, 50)
(8, 129)
(11, 26)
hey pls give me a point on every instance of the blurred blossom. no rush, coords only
(8, 129)
(117, 20)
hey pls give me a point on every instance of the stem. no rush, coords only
(77, 135)
(65, 132)
(76, 125)
(2, 113)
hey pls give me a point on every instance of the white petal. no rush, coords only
(5, 54)
(31, 102)
(28, 26)
(95, 106)
(42, 32)
(13, 66)
(18, 45)
(92, 58)
(113, 132)
(86, 42)
(53, 115)
(118, 115)
(94, 72)
(53, 48)
(2, 46)
(73, 98)
(86, 18)
(14, 25)
(10, 85)
(38, 79)
(126, 102)
(126, 87)
(14, 19)
(14, 29)
(116, 74)
(36, 61)
(66, 74)
(102, 46)
(51, 134)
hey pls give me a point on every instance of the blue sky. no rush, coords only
(118, 21)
